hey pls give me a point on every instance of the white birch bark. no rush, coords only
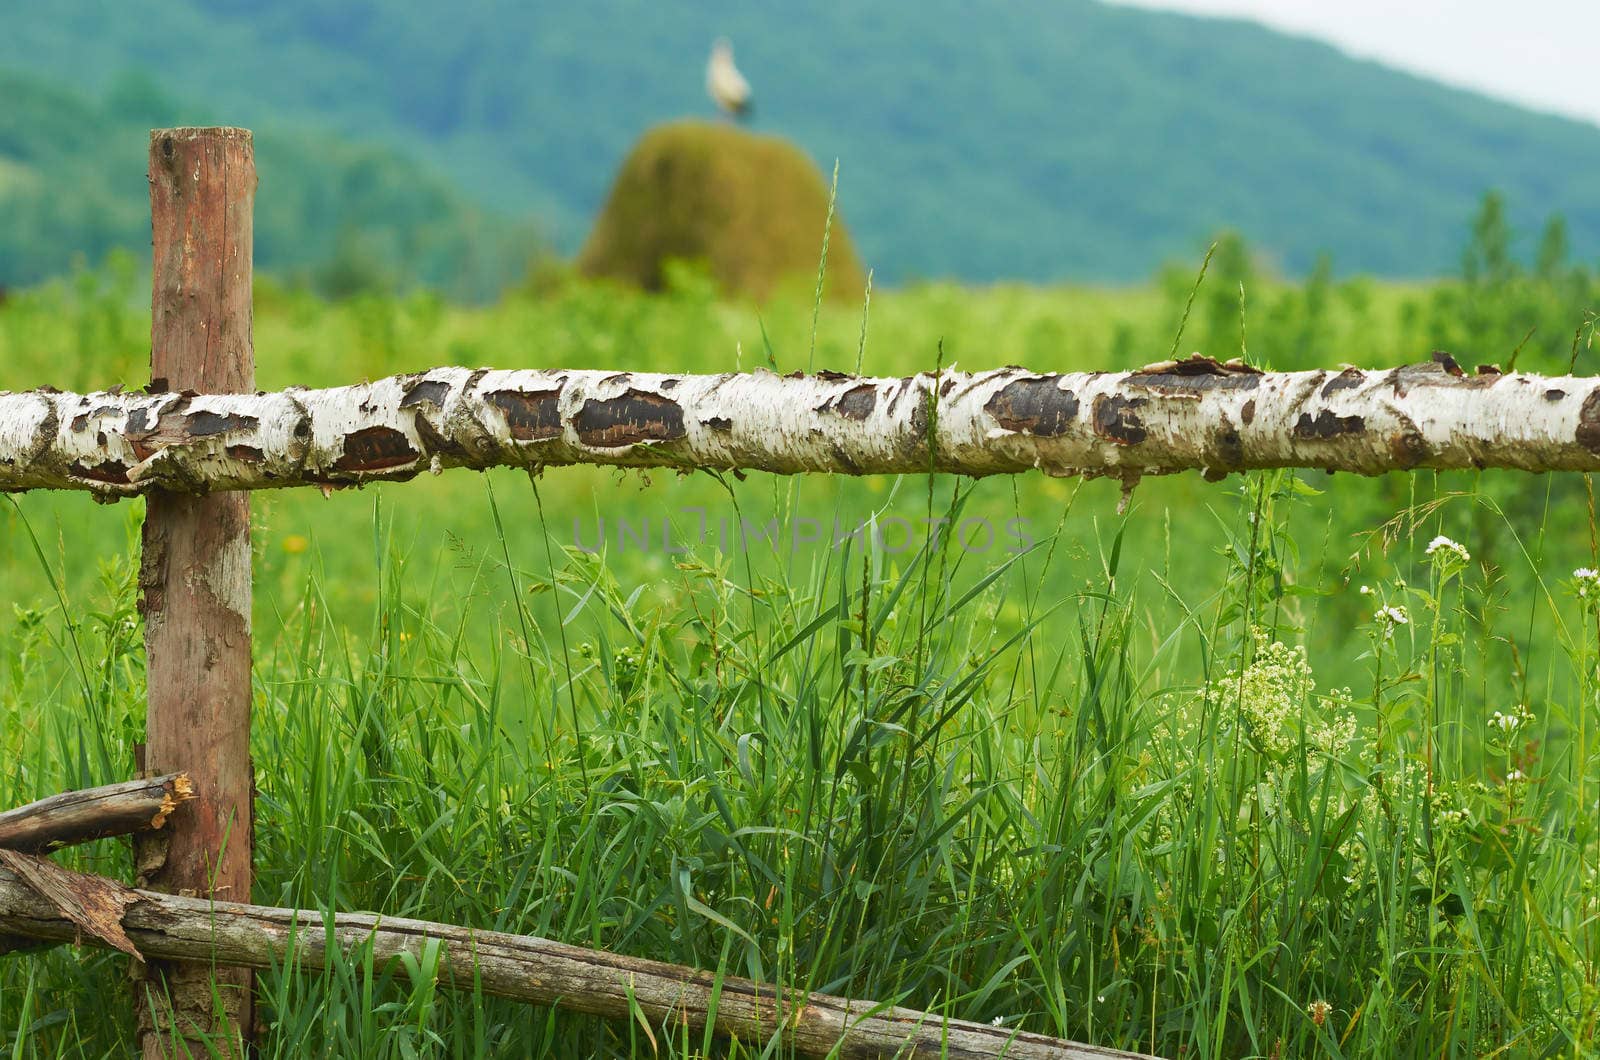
(1176, 416)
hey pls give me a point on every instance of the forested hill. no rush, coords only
(1031, 138)
(342, 216)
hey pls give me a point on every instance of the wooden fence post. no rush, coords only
(194, 581)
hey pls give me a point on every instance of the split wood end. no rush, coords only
(179, 789)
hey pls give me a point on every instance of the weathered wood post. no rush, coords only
(194, 580)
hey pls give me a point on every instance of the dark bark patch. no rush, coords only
(1437, 373)
(1115, 419)
(857, 403)
(81, 420)
(845, 460)
(669, 384)
(430, 391)
(1447, 362)
(373, 449)
(1196, 374)
(1229, 446)
(248, 454)
(1554, 395)
(830, 376)
(1036, 405)
(435, 443)
(1588, 434)
(202, 424)
(621, 378)
(1326, 425)
(636, 416)
(1248, 413)
(1345, 380)
(719, 423)
(112, 471)
(139, 419)
(1489, 369)
(1408, 449)
(906, 386)
(530, 416)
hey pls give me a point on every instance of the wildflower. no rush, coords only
(1586, 583)
(1451, 818)
(1445, 550)
(1268, 693)
(1390, 616)
(1508, 724)
(997, 1021)
(1516, 776)
(1505, 729)
(1319, 1011)
(1366, 590)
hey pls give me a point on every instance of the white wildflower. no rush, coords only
(1390, 616)
(1586, 583)
(1269, 694)
(1366, 590)
(1516, 776)
(1504, 726)
(1442, 544)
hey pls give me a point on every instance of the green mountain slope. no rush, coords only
(1034, 138)
(344, 216)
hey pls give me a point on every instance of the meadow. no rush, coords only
(1252, 768)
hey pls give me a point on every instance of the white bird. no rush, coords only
(725, 84)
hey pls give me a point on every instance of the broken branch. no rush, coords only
(94, 813)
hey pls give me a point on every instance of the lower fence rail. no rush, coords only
(42, 902)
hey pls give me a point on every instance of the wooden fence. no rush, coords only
(200, 436)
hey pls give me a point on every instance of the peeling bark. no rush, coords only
(530, 969)
(1195, 414)
(93, 904)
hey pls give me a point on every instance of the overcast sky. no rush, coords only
(1540, 53)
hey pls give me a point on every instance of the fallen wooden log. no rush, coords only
(526, 968)
(1167, 417)
(93, 813)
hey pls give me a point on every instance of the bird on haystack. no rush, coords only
(725, 84)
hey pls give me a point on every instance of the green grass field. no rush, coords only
(1163, 780)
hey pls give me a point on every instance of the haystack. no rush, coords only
(751, 208)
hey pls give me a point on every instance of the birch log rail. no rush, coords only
(1179, 415)
(523, 968)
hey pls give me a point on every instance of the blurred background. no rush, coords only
(402, 142)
